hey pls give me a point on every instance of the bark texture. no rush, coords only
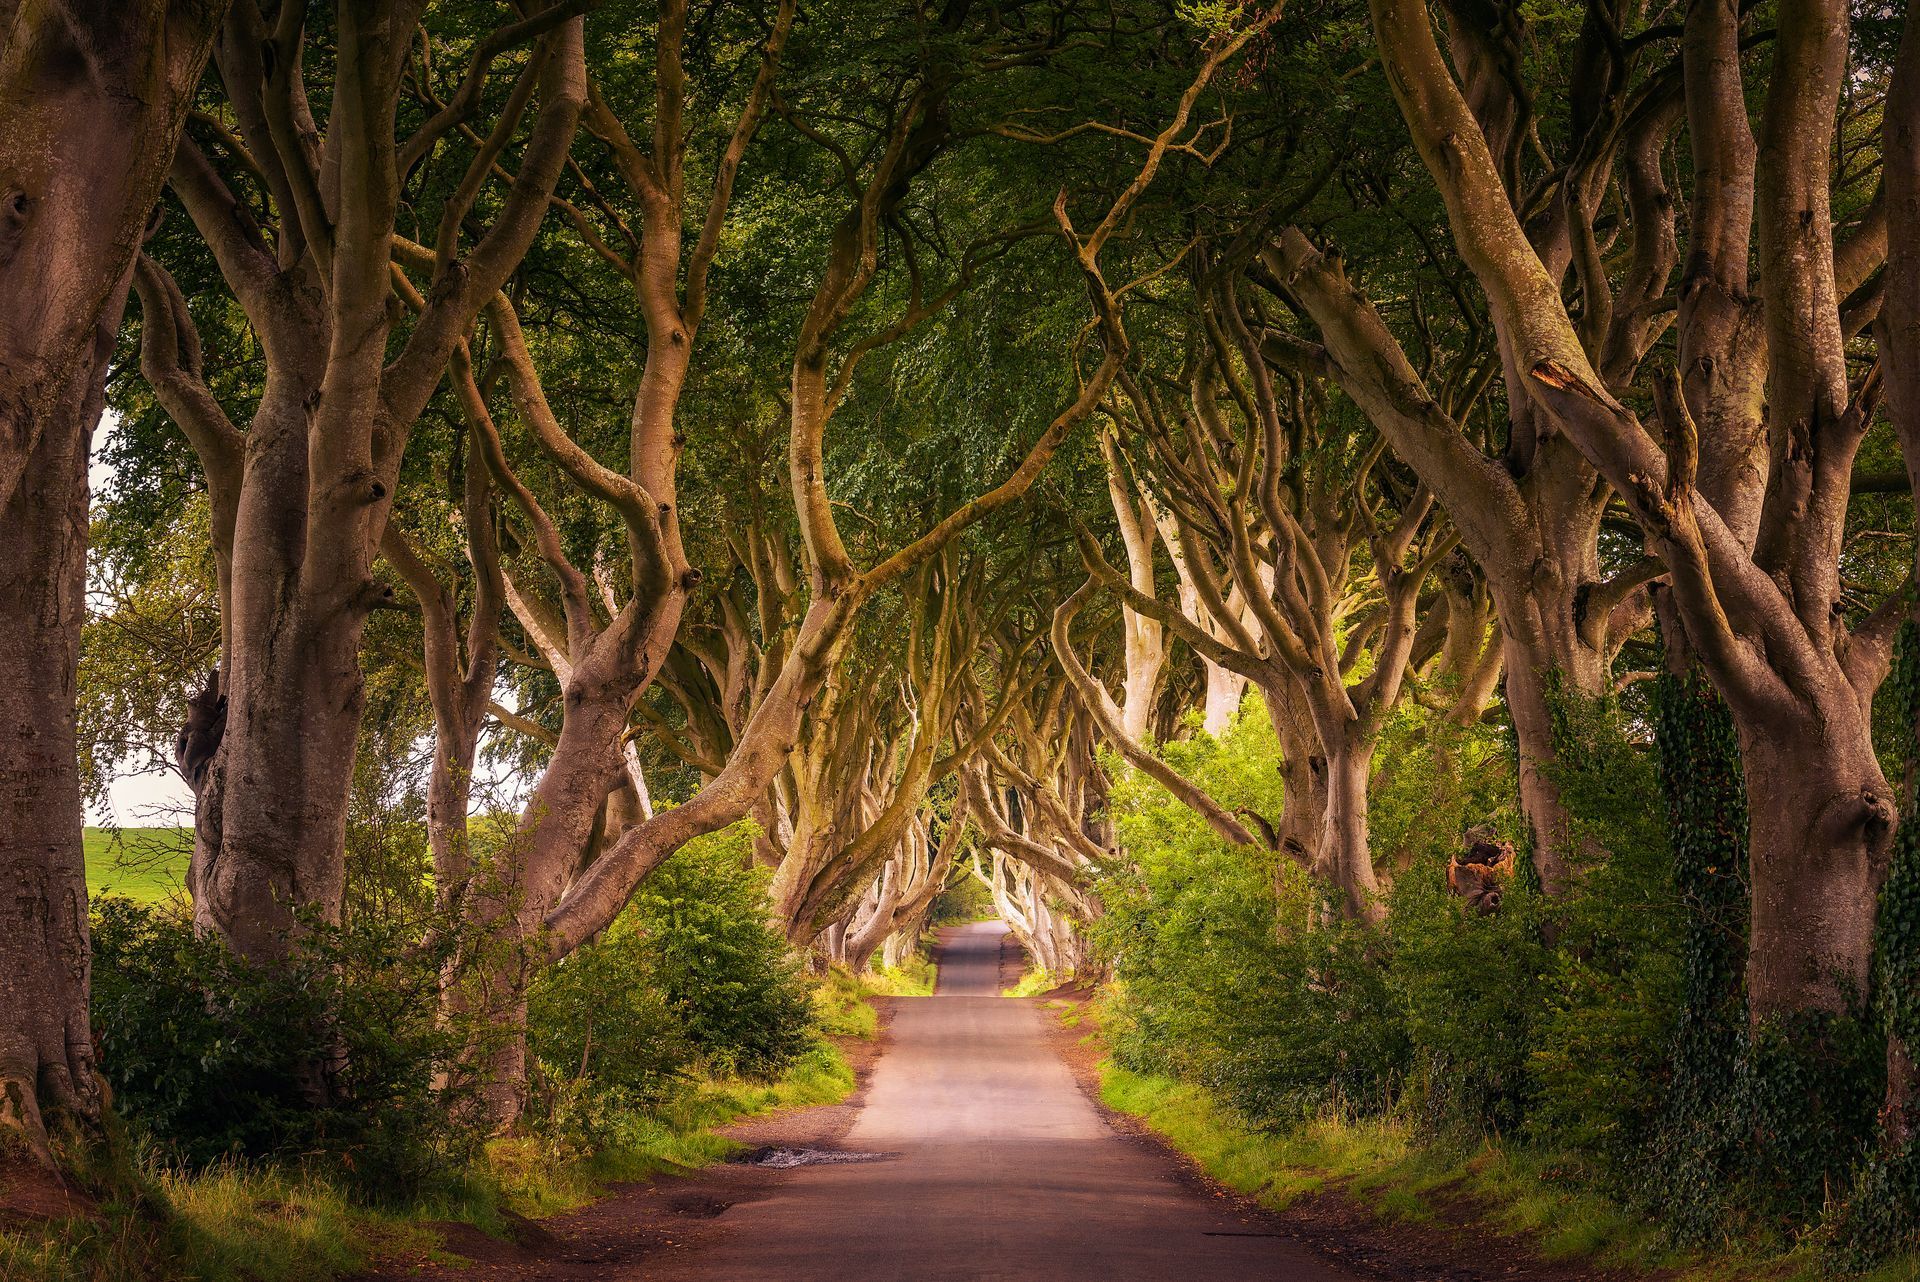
(92, 96)
(46, 1050)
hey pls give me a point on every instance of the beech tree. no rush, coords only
(301, 498)
(553, 904)
(94, 97)
(1300, 570)
(1743, 495)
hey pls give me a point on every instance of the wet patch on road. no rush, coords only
(779, 1157)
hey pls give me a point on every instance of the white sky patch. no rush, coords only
(159, 798)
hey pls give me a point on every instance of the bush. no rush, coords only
(963, 899)
(331, 1057)
(690, 976)
(1228, 978)
(729, 977)
(1223, 978)
(1471, 990)
(600, 1017)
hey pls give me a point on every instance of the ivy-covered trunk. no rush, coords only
(1707, 828)
(1898, 928)
(1544, 654)
(1821, 823)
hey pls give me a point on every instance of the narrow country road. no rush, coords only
(999, 1169)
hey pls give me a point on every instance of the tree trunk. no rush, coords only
(862, 934)
(1303, 772)
(1541, 646)
(319, 464)
(1821, 825)
(46, 1050)
(1345, 857)
(1144, 653)
(509, 901)
(274, 806)
(1224, 691)
(92, 98)
(1898, 341)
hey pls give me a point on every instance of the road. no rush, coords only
(999, 1169)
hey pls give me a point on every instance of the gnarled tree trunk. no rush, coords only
(92, 97)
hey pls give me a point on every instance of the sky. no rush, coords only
(159, 799)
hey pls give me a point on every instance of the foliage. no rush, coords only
(1458, 1019)
(723, 971)
(1613, 975)
(1385, 1162)
(1406, 1174)
(264, 1222)
(963, 899)
(600, 1018)
(1189, 932)
(152, 631)
(915, 976)
(1032, 984)
(1882, 1211)
(689, 977)
(332, 1058)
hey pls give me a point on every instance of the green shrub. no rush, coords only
(331, 1057)
(963, 899)
(600, 1017)
(1224, 979)
(731, 979)
(1470, 987)
(1548, 1018)
(690, 976)
(1615, 978)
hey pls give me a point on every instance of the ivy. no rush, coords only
(1706, 798)
(1882, 1215)
(1759, 1124)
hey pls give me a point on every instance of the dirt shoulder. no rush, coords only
(1454, 1246)
(648, 1221)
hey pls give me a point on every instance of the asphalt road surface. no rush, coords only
(999, 1168)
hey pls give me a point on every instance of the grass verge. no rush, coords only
(840, 1000)
(262, 1223)
(1032, 984)
(1403, 1174)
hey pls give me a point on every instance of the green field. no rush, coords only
(140, 863)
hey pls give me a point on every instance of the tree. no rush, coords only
(1751, 545)
(302, 497)
(555, 904)
(94, 97)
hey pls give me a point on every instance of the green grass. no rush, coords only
(840, 998)
(681, 1136)
(228, 1224)
(148, 864)
(1032, 984)
(261, 1223)
(1407, 1176)
(914, 978)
